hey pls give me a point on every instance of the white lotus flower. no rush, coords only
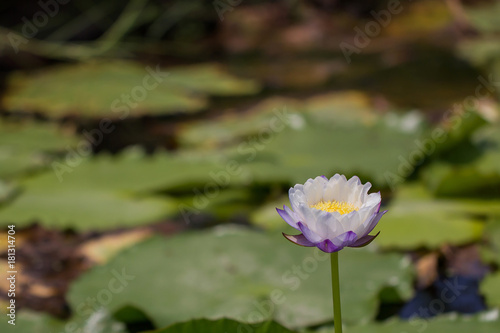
(332, 213)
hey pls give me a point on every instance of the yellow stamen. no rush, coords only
(335, 206)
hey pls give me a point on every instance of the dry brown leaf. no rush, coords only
(102, 249)
(427, 270)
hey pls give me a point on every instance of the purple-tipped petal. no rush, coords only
(310, 235)
(324, 177)
(374, 221)
(286, 216)
(328, 247)
(299, 240)
(364, 241)
(346, 239)
(378, 207)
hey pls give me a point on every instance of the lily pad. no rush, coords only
(134, 171)
(62, 205)
(7, 190)
(480, 51)
(266, 217)
(449, 180)
(106, 191)
(324, 149)
(233, 127)
(212, 79)
(490, 251)
(484, 323)
(223, 325)
(490, 288)
(243, 275)
(120, 89)
(473, 177)
(344, 107)
(94, 194)
(416, 219)
(34, 322)
(485, 17)
(81, 189)
(409, 20)
(229, 203)
(28, 146)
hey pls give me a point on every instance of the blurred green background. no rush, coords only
(144, 147)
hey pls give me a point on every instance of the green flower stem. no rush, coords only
(337, 316)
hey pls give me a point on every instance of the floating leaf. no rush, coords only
(484, 323)
(89, 191)
(480, 52)
(212, 79)
(134, 171)
(62, 205)
(276, 144)
(7, 190)
(232, 127)
(408, 19)
(106, 191)
(344, 107)
(223, 325)
(475, 176)
(120, 89)
(27, 146)
(100, 192)
(321, 149)
(490, 252)
(445, 179)
(33, 322)
(266, 217)
(268, 118)
(490, 288)
(417, 219)
(485, 17)
(227, 204)
(194, 275)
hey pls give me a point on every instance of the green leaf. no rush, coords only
(61, 205)
(7, 190)
(223, 325)
(476, 176)
(243, 275)
(485, 17)
(34, 322)
(134, 171)
(344, 107)
(233, 128)
(481, 52)
(484, 323)
(106, 191)
(227, 204)
(100, 193)
(286, 141)
(416, 219)
(449, 180)
(410, 23)
(490, 288)
(28, 146)
(490, 252)
(321, 149)
(266, 216)
(212, 79)
(119, 89)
